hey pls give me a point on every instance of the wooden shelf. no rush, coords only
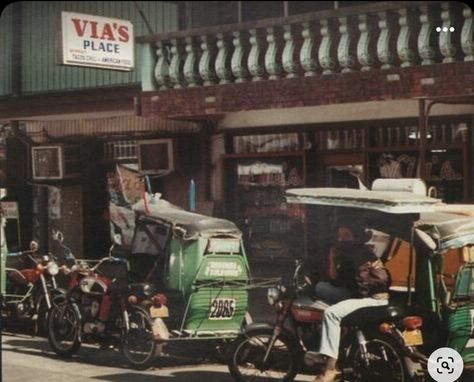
(264, 155)
(341, 151)
(438, 146)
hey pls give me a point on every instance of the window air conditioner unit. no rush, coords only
(156, 156)
(55, 162)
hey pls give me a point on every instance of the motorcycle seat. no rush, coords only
(309, 304)
(372, 314)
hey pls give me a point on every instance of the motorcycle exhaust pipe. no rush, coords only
(362, 345)
(126, 320)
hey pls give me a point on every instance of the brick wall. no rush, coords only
(213, 101)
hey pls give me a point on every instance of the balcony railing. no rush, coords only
(381, 36)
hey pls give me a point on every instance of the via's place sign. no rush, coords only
(96, 41)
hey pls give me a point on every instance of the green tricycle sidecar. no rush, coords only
(199, 263)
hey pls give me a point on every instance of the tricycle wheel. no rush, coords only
(247, 360)
(138, 344)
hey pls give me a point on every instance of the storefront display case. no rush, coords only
(258, 172)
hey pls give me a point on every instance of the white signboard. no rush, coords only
(9, 210)
(96, 41)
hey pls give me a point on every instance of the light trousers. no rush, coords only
(331, 328)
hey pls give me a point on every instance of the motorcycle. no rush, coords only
(372, 347)
(107, 311)
(30, 286)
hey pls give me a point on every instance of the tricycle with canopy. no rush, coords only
(432, 229)
(199, 263)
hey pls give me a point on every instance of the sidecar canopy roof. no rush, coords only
(449, 225)
(453, 229)
(185, 224)
(395, 202)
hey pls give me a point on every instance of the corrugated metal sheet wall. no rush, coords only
(41, 26)
(103, 127)
(5, 50)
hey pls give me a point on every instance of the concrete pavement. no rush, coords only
(26, 358)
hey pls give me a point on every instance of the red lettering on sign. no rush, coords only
(107, 33)
(94, 29)
(123, 32)
(77, 24)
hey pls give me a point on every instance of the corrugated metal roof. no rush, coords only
(385, 201)
(44, 131)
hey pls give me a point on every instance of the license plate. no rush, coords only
(161, 312)
(222, 309)
(413, 337)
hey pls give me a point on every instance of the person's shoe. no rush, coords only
(330, 373)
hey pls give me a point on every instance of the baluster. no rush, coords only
(345, 48)
(406, 39)
(255, 60)
(273, 64)
(308, 54)
(289, 61)
(208, 59)
(446, 36)
(239, 62)
(425, 47)
(162, 72)
(325, 53)
(176, 65)
(467, 41)
(384, 52)
(364, 51)
(191, 64)
(223, 59)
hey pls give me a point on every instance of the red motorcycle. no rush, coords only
(30, 285)
(105, 310)
(372, 347)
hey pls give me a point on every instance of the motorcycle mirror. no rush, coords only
(426, 239)
(34, 246)
(58, 236)
(118, 239)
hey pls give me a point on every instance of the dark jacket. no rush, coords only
(359, 270)
(373, 280)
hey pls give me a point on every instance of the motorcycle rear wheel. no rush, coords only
(64, 324)
(246, 364)
(386, 362)
(138, 345)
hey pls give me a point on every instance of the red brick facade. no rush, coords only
(397, 83)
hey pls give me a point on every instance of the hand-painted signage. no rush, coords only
(9, 210)
(97, 41)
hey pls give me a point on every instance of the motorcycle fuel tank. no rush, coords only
(93, 285)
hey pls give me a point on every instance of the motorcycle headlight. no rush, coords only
(52, 268)
(148, 290)
(273, 294)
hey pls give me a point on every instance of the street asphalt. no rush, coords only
(26, 358)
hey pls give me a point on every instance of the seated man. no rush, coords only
(363, 282)
(344, 259)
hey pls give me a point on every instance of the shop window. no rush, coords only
(267, 143)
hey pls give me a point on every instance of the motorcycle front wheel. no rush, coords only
(247, 362)
(138, 344)
(64, 324)
(384, 362)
